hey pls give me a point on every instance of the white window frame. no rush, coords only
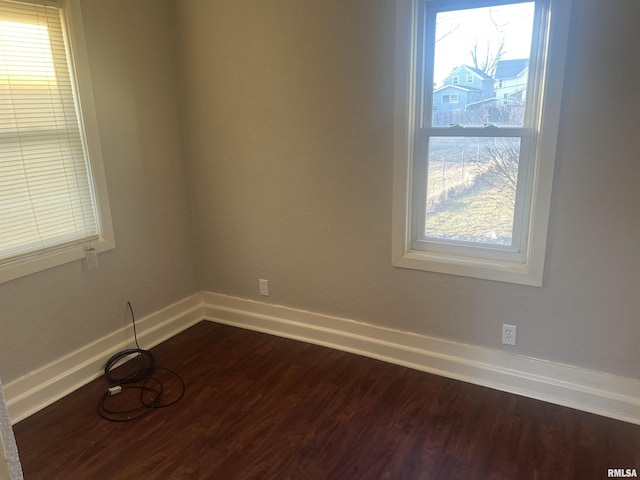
(469, 78)
(476, 261)
(79, 65)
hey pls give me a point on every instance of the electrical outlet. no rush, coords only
(509, 334)
(264, 287)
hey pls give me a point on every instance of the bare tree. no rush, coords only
(501, 159)
(487, 59)
(444, 28)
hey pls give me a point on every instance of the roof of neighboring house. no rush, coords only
(482, 102)
(457, 87)
(510, 68)
(479, 72)
(475, 70)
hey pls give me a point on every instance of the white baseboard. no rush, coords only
(34, 391)
(595, 392)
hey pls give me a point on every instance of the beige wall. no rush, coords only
(47, 315)
(288, 131)
(290, 126)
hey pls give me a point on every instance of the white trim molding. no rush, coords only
(590, 391)
(596, 392)
(40, 388)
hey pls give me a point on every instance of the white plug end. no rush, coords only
(114, 390)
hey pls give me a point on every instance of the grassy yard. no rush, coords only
(445, 178)
(480, 212)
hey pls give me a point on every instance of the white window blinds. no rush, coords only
(46, 198)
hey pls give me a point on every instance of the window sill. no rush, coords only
(500, 271)
(52, 258)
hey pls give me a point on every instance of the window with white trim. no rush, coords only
(450, 98)
(53, 201)
(472, 186)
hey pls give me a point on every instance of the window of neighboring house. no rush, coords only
(469, 78)
(455, 80)
(53, 202)
(450, 98)
(471, 196)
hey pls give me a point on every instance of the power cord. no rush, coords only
(134, 392)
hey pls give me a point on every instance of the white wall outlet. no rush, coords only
(509, 334)
(264, 287)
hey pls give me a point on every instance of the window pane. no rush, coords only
(488, 47)
(471, 189)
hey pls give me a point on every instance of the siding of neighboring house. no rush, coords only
(470, 96)
(470, 84)
(511, 79)
(453, 97)
(513, 88)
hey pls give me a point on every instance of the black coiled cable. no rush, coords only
(131, 376)
(145, 370)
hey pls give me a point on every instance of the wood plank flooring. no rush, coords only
(262, 407)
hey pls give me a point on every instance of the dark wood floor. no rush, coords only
(263, 407)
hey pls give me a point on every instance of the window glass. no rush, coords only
(493, 43)
(477, 136)
(472, 189)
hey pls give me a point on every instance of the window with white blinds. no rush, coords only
(47, 197)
